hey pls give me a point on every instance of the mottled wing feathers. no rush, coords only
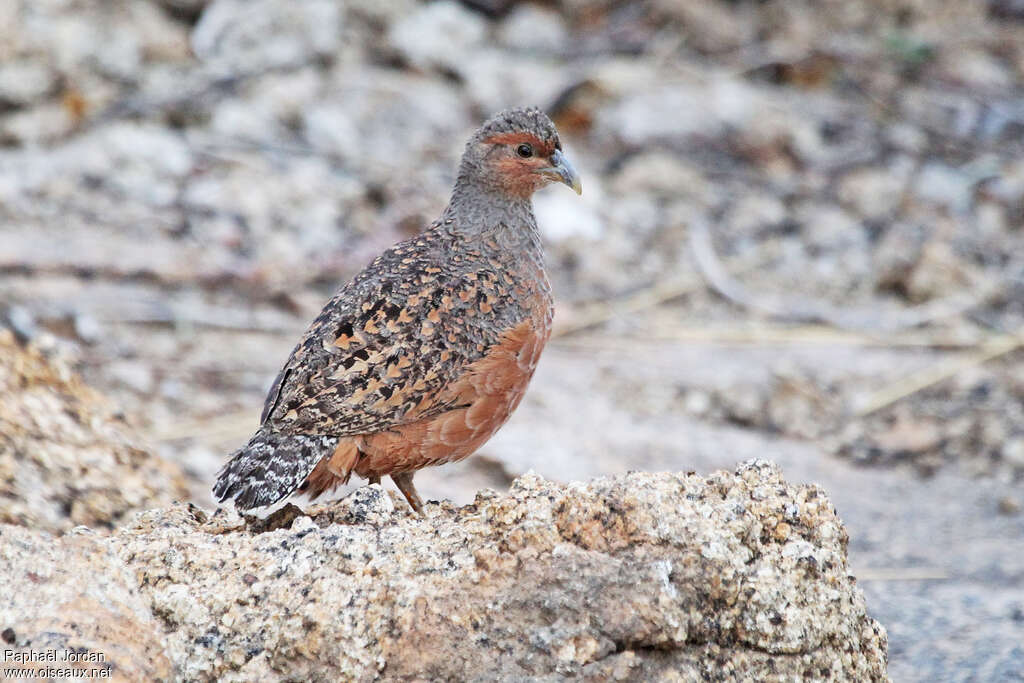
(384, 348)
(274, 394)
(485, 395)
(270, 466)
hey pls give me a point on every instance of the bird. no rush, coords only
(421, 357)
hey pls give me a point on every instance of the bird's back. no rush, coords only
(387, 344)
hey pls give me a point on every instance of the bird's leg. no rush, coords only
(373, 479)
(403, 481)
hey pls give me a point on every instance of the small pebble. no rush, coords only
(1009, 505)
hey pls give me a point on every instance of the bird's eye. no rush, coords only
(524, 150)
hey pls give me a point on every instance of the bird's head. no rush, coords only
(516, 153)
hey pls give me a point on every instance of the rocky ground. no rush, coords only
(641, 577)
(67, 457)
(800, 238)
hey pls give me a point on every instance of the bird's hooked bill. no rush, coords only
(563, 171)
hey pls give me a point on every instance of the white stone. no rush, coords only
(945, 186)
(439, 34)
(530, 27)
(253, 35)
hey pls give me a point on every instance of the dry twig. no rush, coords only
(938, 372)
(655, 295)
(799, 309)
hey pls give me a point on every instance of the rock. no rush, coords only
(635, 217)
(907, 435)
(756, 212)
(637, 577)
(36, 125)
(827, 226)
(1013, 452)
(659, 113)
(531, 28)
(367, 504)
(238, 120)
(708, 26)
(140, 162)
(873, 193)
(25, 81)
(63, 61)
(945, 186)
(491, 8)
(440, 34)
(243, 36)
(133, 374)
(991, 221)
(400, 120)
(286, 95)
(87, 328)
(493, 81)
(21, 322)
(287, 213)
(898, 254)
(976, 70)
(1008, 505)
(189, 9)
(1008, 184)
(664, 175)
(329, 127)
(66, 459)
(76, 596)
(1007, 9)
(940, 271)
(906, 137)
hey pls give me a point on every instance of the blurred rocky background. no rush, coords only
(801, 237)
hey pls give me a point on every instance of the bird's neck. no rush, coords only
(477, 211)
(498, 229)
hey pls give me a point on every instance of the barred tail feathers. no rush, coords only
(270, 468)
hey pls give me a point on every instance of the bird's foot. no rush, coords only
(404, 483)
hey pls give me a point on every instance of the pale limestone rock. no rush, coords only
(73, 594)
(637, 577)
(66, 458)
